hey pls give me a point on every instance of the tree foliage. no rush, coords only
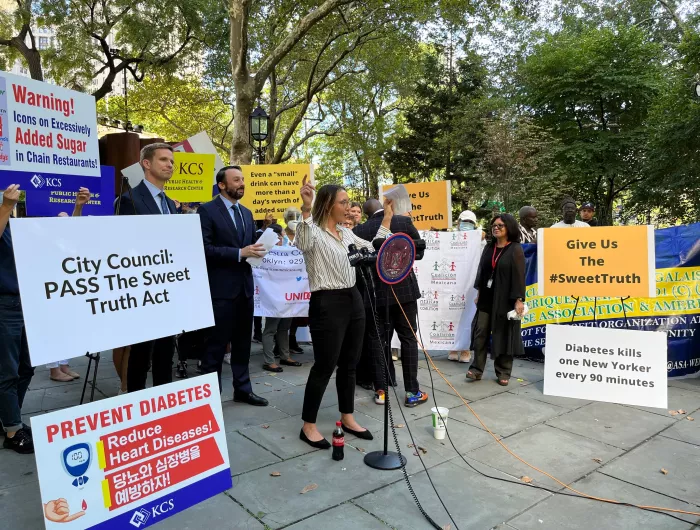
(175, 108)
(104, 38)
(593, 88)
(444, 123)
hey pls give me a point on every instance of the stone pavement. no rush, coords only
(611, 451)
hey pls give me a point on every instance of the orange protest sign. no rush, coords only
(432, 204)
(610, 261)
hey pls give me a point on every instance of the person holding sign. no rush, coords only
(149, 198)
(500, 284)
(228, 232)
(336, 310)
(15, 367)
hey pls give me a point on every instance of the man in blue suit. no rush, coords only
(149, 198)
(228, 232)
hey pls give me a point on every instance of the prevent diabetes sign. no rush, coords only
(133, 460)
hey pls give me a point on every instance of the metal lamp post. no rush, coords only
(258, 123)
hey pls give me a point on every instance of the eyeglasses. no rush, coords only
(498, 226)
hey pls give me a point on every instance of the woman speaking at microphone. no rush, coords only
(336, 311)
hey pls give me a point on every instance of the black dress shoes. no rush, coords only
(321, 444)
(364, 435)
(251, 399)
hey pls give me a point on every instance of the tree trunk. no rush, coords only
(31, 55)
(244, 84)
(34, 62)
(241, 150)
(270, 151)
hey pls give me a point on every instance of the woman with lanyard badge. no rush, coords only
(500, 282)
(336, 310)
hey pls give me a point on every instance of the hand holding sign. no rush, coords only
(11, 196)
(58, 512)
(83, 197)
(388, 209)
(253, 251)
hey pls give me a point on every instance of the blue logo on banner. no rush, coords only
(49, 196)
(156, 510)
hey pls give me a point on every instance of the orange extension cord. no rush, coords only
(584, 495)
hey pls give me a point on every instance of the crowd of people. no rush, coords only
(346, 336)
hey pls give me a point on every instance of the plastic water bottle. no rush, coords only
(338, 442)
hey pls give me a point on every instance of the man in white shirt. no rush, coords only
(568, 209)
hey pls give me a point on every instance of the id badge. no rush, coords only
(489, 283)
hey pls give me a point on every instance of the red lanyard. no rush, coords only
(494, 258)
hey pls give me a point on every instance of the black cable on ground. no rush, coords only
(516, 482)
(385, 370)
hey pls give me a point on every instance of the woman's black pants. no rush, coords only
(337, 326)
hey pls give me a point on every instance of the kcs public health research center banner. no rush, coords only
(675, 309)
(133, 460)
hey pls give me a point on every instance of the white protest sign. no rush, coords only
(88, 284)
(446, 277)
(45, 128)
(282, 284)
(605, 364)
(132, 460)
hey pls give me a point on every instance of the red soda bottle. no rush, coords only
(338, 442)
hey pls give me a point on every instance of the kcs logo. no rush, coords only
(50, 182)
(191, 168)
(140, 517)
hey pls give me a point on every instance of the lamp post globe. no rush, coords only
(259, 121)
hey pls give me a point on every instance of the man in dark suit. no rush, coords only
(149, 198)
(407, 293)
(228, 231)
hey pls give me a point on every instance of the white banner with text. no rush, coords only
(446, 277)
(605, 364)
(282, 284)
(89, 284)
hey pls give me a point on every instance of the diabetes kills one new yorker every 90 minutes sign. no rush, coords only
(603, 364)
(90, 284)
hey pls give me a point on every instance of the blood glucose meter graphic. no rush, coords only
(76, 461)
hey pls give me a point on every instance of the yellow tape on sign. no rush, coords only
(192, 178)
(101, 454)
(106, 496)
(272, 188)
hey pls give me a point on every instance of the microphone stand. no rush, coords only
(382, 459)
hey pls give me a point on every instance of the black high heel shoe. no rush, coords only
(321, 444)
(364, 435)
